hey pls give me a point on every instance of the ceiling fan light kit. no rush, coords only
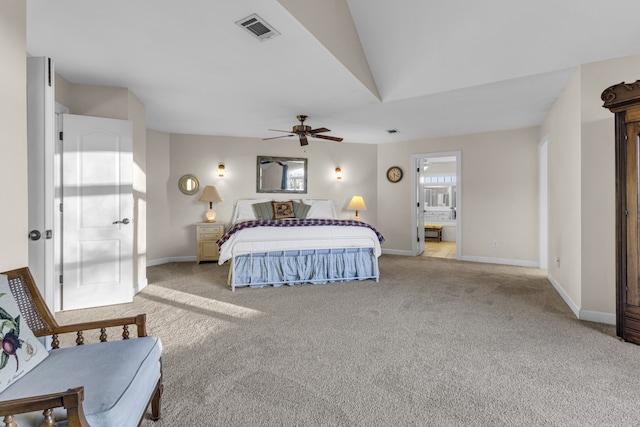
(303, 131)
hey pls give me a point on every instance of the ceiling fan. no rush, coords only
(303, 131)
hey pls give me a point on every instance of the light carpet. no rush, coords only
(436, 342)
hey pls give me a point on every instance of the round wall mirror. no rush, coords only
(189, 184)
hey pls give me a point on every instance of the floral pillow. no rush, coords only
(283, 210)
(21, 350)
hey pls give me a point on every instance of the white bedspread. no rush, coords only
(267, 239)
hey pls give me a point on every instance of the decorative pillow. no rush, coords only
(301, 210)
(263, 210)
(244, 210)
(283, 210)
(322, 209)
(21, 350)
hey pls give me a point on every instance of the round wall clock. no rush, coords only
(394, 174)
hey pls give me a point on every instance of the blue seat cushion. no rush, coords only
(119, 378)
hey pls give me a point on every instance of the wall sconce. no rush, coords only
(357, 204)
(210, 194)
(221, 170)
(338, 173)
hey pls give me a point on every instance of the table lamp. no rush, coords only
(357, 204)
(211, 195)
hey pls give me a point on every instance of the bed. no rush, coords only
(271, 243)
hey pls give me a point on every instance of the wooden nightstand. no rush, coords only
(207, 234)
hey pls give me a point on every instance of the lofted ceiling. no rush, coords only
(358, 67)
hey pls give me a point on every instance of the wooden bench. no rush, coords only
(434, 232)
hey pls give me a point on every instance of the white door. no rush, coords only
(97, 194)
(420, 206)
(40, 148)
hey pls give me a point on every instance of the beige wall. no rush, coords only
(582, 189)
(13, 128)
(200, 155)
(159, 186)
(562, 127)
(498, 188)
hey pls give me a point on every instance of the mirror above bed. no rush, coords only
(281, 175)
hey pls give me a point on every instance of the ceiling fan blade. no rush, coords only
(319, 130)
(303, 140)
(278, 130)
(330, 138)
(276, 137)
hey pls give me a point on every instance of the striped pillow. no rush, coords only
(301, 210)
(263, 210)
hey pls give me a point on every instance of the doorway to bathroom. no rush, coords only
(438, 204)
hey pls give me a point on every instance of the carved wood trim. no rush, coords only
(619, 96)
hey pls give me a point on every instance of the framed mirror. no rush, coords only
(281, 175)
(189, 184)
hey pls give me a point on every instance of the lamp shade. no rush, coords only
(357, 204)
(210, 194)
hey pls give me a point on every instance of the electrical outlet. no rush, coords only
(495, 244)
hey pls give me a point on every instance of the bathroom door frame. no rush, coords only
(415, 185)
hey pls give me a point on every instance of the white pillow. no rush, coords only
(20, 351)
(321, 209)
(243, 210)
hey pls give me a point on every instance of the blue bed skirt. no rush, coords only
(304, 266)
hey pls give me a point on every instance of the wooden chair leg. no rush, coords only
(156, 403)
(156, 400)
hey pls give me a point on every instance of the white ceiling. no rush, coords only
(440, 67)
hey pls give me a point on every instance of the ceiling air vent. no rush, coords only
(258, 27)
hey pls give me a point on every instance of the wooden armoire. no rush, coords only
(624, 101)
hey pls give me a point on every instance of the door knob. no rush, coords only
(124, 221)
(34, 235)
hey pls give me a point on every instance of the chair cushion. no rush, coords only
(119, 378)
(20, 350)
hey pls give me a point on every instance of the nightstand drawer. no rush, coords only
(208, 235)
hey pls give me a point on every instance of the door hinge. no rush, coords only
(626, 212)
(49, 71)
(60, 136)
(60, 207)
(60, 279)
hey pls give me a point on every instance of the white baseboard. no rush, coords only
(142, 284)
(586, 315)
(160, 261)
(502, 261)
(565, 296)
(598, 317)
(396, 252)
